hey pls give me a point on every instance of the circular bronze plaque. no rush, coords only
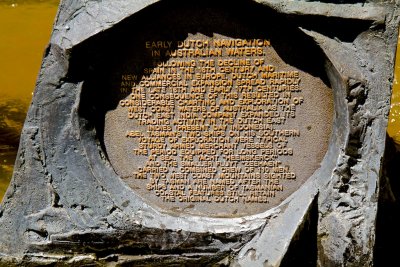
(225, 122)
(224, 127)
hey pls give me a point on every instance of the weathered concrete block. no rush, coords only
(206, 133)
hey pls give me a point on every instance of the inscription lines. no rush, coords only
(215, 121)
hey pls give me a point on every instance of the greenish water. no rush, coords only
(25, 28)
(12, 116)
(394, 116)
(23, 2)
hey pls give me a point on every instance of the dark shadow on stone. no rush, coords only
(334, 28)
(101, 60)
(388, 219)
(303, 249)
(183, 249)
